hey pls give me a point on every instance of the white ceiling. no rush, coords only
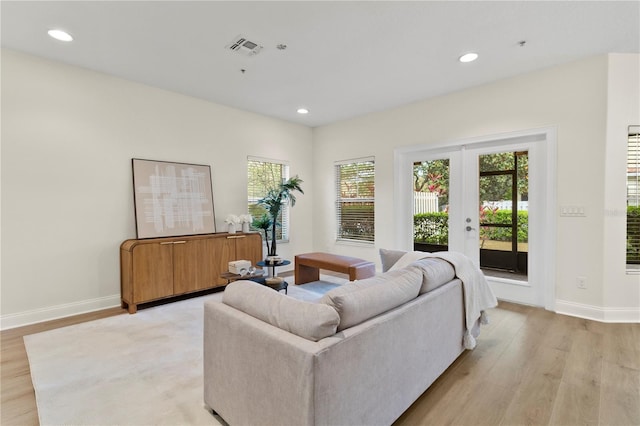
(343, 59)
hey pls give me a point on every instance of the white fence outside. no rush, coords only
(425, 202)
(506, 205)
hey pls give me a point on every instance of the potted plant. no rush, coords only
(263, 222)
(273, 202)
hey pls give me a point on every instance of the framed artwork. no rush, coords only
(172, 199)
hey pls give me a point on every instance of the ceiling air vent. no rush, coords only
(240, 44)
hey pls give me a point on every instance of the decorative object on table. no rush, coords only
(252, 274)
(164, 190)
(273, 202)
(236, 266)
(232, 220)
(246, 219)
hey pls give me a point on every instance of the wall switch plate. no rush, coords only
(581, 282)
(573, 211)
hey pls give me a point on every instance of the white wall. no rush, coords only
(571, 98)
(622, 290)
(68, 136)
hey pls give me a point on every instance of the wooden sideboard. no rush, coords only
(158, 268)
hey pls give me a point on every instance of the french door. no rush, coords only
(489, 201)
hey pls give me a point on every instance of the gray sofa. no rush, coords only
(360, 356)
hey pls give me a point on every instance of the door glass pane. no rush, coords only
(503, 212)
(496, 162)
(431, 205)
(495, 212)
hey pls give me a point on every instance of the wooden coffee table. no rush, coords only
(308, 265)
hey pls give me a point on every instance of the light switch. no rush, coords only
(572, 211)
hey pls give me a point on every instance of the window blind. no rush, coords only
(263, 175)
(633, 196)
(355, 203)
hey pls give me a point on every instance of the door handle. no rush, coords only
(469, 228)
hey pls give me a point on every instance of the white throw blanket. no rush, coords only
(477, 293)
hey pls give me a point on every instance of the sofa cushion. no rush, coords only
(435, 272)
(389, 257)
(352, 286)
(364, 299)
(312, 321)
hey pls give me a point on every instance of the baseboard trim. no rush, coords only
(597, 313)
(59, 311)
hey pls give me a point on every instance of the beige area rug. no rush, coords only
(142, 369)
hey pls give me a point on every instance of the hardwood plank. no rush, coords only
(508, 371)
(578, 399)
(487, 405)
(620, 345)
(533, 400)
(620, 401)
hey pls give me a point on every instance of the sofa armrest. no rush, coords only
(253, 370)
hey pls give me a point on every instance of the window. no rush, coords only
(355, 210)
(633, 198)
(262, 175)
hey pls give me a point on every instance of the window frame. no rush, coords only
(340, 200)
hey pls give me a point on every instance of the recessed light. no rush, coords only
(60, 35)
(468, 57)
(303, 111)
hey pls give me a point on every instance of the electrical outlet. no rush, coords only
(581, 282)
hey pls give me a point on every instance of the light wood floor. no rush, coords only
(534, 367)
(531, 367)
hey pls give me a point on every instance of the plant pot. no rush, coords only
(231, 228)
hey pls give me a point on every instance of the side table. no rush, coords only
(259, 277)
(231, 277)
(271, 268)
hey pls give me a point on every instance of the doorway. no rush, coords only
(492, 199)
(502, 211)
